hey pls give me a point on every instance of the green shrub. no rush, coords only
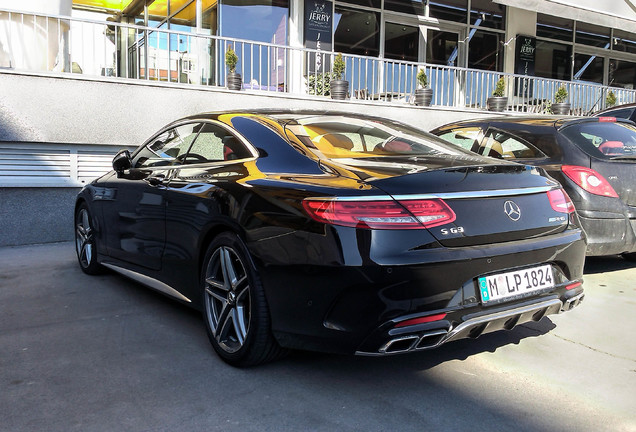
(338, 67)
(319, 84)
(500, 87)
(561, 95)
(231, 59)
(422, 78)
(610, 100)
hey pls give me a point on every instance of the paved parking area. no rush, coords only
(81, 353)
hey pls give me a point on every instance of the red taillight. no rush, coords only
(589, 180)
(430, 213)
(407, 214)
(421, 320)
(573, 285)
(607, 119)
(560, 201)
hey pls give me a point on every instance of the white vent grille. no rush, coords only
(20, 163)
(92, 164)
(53, 165)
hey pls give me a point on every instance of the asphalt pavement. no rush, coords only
(102, 353)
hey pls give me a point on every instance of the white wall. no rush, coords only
(81, 110)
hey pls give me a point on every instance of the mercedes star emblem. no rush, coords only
(512, 210)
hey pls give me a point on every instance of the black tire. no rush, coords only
(235, 311)
(85, 241)
(630, 256)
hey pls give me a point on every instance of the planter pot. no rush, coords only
(423, 96)
(234, 81)
(339, 89)
(497, 103)
(561, 108)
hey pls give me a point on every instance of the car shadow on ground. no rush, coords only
(604, 264)
(416, 361)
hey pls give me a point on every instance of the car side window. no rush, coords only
(503, 145)
(168, 148)
(215, 144)
(466, 138)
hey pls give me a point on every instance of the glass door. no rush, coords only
(401, 42)
(442, 47)
(402, 52)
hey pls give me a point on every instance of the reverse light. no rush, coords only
(406, 214)
(421, 320)
(589, 180)
(560, 201)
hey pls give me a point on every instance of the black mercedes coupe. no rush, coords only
(332, 232)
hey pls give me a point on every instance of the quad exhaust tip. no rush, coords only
(573, 302)
(475, 327)
(414, 342)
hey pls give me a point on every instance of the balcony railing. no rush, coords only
(62, 44)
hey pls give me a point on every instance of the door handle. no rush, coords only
(156, 180)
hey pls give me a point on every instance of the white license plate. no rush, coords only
(515, 283)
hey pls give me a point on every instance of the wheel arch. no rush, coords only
(210, 234)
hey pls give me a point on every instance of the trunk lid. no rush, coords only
(621, 174)
(492, 202)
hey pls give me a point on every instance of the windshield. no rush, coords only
(604, 140)
(337, 137)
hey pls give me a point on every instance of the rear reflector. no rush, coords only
(407, 214)
(607, 119)
(573, 285)
(560, 201)
(421, 320)
(589, 180)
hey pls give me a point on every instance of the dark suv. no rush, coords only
(594, 158)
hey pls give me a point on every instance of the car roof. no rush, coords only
(614, 108)
(526, 121)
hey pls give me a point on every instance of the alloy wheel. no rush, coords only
(227, 299)
(84, 241)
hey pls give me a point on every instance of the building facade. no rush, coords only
(82, 78)
(185, 40)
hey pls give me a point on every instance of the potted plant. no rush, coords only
(610, 100)
(424, 94)
(234, 80)
(560, 106)
(339, 87)
(498, 102)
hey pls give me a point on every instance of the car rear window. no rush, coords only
(625, 113)
(337, 137)
(606, 140)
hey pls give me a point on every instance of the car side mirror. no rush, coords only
(122, 162)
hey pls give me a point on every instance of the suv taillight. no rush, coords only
(589, 180)
(404, 214)
(560, 201)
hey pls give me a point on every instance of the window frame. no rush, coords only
(486, 133)
(241, 139)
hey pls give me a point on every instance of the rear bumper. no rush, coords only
(349, 308)
(608, 235)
